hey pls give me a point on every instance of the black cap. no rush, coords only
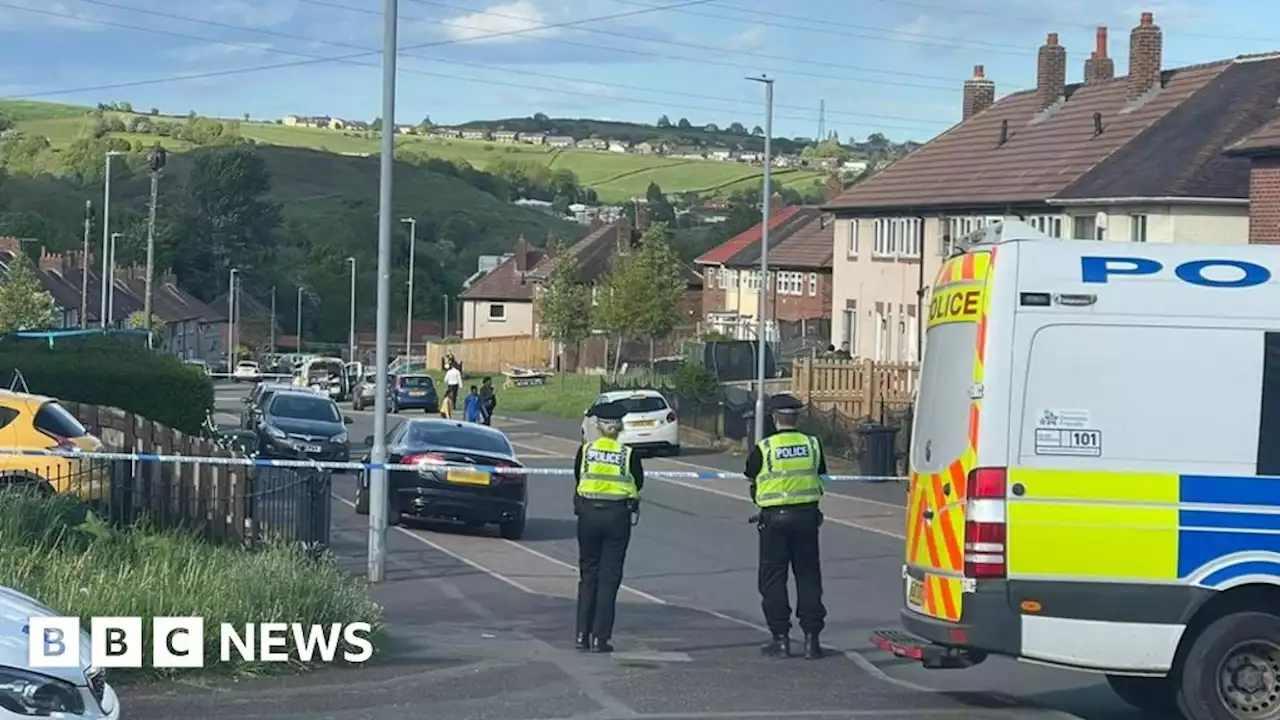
(610, 411)
(785, 403)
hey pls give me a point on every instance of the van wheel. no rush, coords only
(1228, 673)
(1153, 696)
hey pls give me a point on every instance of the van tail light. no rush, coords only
(514, 478)
(985, 537)
(671, 417)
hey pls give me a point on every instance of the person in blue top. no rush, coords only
(472, 409)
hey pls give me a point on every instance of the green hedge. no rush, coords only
(158, 387)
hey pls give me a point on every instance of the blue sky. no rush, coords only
(889, 66)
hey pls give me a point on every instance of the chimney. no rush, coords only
(1051, 72)
(835, 187)
(979, 93)
(50, 261)
(522, 254)
(10, 244)
(1099, 68)
(1146, 45)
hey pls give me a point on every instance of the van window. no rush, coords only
(941, 432)
(53, 419)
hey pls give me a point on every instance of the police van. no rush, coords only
(1095, 469)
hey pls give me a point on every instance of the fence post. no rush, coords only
(873, 390)
(809, 369)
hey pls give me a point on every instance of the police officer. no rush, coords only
(609, 478)
(786, 472)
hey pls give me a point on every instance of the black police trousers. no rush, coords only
(604, 531)
(789, 539)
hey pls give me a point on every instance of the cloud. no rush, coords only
(520, 16)
(254, 13)
(214, 51)
(748, 40)
(14, 18)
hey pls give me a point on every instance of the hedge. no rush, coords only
(156, 386)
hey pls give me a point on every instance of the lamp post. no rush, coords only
(231, 318)
(445, 330)
(299, 335)
(351, 334)
(84, 266)
(157, 164)
(408, 323)
(106, 235)
(111, 278)
(762, 299)
(273, 318)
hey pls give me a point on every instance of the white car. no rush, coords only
(650, 422)
(25, 692)
(247, 371)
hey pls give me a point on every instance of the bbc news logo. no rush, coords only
(178, 642)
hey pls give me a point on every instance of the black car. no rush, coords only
(297, 424)
(474, 497)
(255, 400)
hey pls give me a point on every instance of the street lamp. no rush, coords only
(299, 336)
(444, 332)
(84, 266)
(762, 299)
(158, 158)
(351, 337)
(408, 323)
(106, 234)
(111, 277)
(231, 318)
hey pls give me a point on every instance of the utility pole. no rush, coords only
(273, 318)
(763, 298)
(106, 236)
(445, 330)
(299, 335)
(351, 333)
(378, 453)
(822, 120)
(157, 164)
(408, 323)
(84, 266)
(231, 320)
(111, 277)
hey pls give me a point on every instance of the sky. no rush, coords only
(894, 67)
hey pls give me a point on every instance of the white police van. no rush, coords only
(81, 691)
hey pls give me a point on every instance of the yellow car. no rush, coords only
(35, 422)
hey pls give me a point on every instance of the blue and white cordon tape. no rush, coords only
(416, 467)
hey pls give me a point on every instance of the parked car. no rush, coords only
(415, 391)
(475, 497)
(298, 423)
(247, 371)
(326, 375)
(650, 422)
(35, 422)
(256, 399)
(81, 691)
(367, 390)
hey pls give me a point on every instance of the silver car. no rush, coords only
(80, 692)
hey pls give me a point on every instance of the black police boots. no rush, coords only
(778, 646)
(812, 648)
(601, 645)
(582, 641)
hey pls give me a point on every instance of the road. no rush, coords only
(691, 618)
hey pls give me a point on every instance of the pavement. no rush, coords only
(482, 627)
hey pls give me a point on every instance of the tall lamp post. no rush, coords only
(408, 323)
(762, 299)
(351, 333)
(231, 318)
(157, 164)
(106, 235)
(299, 335)
(84, 266)
(111, 277)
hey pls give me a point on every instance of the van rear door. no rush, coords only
(944, 436)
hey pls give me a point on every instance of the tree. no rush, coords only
(6, 122)
(561, 301)
(664, 122)
(737, 129)
(757, 130)
(138, 321)
(641, 296)
(660, 210)
(376, 125)
(24, 303)
(684, 124)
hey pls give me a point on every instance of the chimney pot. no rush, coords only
(979, 93)
(1099, 68)
(1148, 19)
(1051, 40)
(979, 72)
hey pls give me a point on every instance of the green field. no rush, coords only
(614, 176)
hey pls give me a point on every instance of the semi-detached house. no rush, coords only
(1156, 156)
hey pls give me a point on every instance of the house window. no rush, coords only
(751, 280)
(883, 245)
(853, 238)
(850, 332)
(1084, 227)
(497, 312)
(813, 284)
(1138, 228)
(790, 283)
(710, 279)
(909, 242)
(1050, 225)
(882, 335)
(958, 227)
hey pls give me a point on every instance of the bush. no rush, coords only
(55, 550)
(695, 381)
(158, 387)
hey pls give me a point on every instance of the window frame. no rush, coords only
(502, 312)
(813, 284)
(1138, 226)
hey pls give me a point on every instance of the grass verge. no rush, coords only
(57, 551)
(567, 395)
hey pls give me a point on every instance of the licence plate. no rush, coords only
(915, 594)
(314, 448)
(643, 423)
(467, 477)
(416, 393)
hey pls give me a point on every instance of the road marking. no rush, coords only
(557, 561)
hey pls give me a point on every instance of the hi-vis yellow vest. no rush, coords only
(605, 473)
(790, 473)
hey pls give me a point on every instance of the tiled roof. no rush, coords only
(1046, 153)
(807, 241)
(504, 282)
(1265, 139)
(593, 253)
(722, 253)
(171, 304)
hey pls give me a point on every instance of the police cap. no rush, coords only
(785, 404)
(609, 412)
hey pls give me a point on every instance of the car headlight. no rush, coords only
(29, 694)
(276, 432)
(339, 438)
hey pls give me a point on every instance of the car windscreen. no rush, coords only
(646, 404)
(417, 382)
(54, 419)
(248, 365)
(455, 436)
(301, 407)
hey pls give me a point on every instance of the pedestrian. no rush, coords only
(785, 470)
(488, 400)
(452, 383)
(609, 478)
(471, 411)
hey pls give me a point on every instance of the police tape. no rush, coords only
(420, 466)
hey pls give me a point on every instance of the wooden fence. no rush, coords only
(856, 388)
(492, 354)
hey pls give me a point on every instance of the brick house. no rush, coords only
(798, 288)
(1155, 156)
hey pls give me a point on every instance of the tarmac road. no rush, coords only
(691, 617)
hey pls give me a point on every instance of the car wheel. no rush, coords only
(1208, 677)
(513, 530)
(1151, 696)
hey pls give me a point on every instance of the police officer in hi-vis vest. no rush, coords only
(786, 472)
(609, 478)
